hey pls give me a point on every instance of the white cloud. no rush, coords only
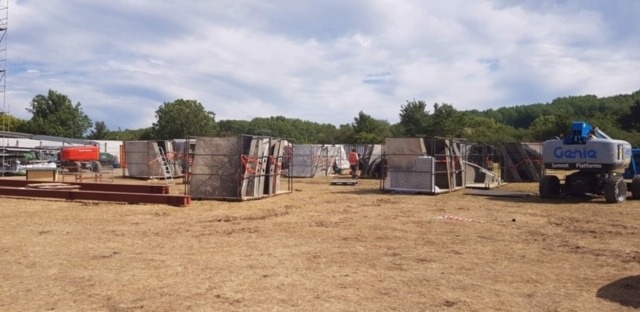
(321, 61)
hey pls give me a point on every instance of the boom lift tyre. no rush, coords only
(96, 166)
(615, 190)
(635, 187)
(549, 187)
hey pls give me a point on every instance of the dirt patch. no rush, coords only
(322, 248)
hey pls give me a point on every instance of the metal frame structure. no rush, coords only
(239, 168)
(418, 165)
(483, 166)
(313, 160)
(4, 23)
(521, 162)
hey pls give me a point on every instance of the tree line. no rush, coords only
(619, 116)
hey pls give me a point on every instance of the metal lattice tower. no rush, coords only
(4, 113)
(4, 21)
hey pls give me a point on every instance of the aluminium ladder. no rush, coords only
(166, 169)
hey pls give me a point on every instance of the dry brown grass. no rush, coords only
(322, 248)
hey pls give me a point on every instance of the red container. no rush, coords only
(80, 153)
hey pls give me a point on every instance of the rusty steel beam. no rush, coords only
(102, 187)
(132, 198)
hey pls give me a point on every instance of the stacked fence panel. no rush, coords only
(426, 166)
(238, 168)
(521, 162)
(313, 160)
(142, 159)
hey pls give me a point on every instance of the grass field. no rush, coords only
(323, 248)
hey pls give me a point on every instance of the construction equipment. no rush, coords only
(76, 158)
(596, 162)
(77, 155)
(632, 173)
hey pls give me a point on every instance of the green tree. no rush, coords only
(446, 121)
(183, 118)
(546, 127)
(99, 131)
(345, 133)
(55, 115)
(414, 118)
(296, 130)
(12, 123)
(132, 135)
(327, 134)
(368, 130)
(485, 130)
(397, 131)
(631, 121)
(234, 127)
(612, 128)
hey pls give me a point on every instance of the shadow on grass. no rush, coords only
(352, 189)
(596, 200)
(625, 291)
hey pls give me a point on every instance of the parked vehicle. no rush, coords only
(76, 158)
(598, 163)
(632, 173)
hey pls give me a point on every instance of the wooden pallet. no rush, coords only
(344, 182)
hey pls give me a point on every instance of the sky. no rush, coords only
(322, 61)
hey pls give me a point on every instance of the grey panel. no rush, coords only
(402, 152)
(257, 151)
(417, 179)
(276, 170)
(142, 159)
(337, 154)
(216, 168)
(342, 158)
(303, 160)
(376, 151)
(237, 167)
(250, 166)
(262, 168)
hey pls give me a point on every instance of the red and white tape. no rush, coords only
(454, 218)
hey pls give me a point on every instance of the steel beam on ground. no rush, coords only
(131, 198)
(104, 187)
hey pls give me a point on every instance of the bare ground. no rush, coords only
(322, 248)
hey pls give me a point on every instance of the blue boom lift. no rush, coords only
(632, 173)
(595, 165)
